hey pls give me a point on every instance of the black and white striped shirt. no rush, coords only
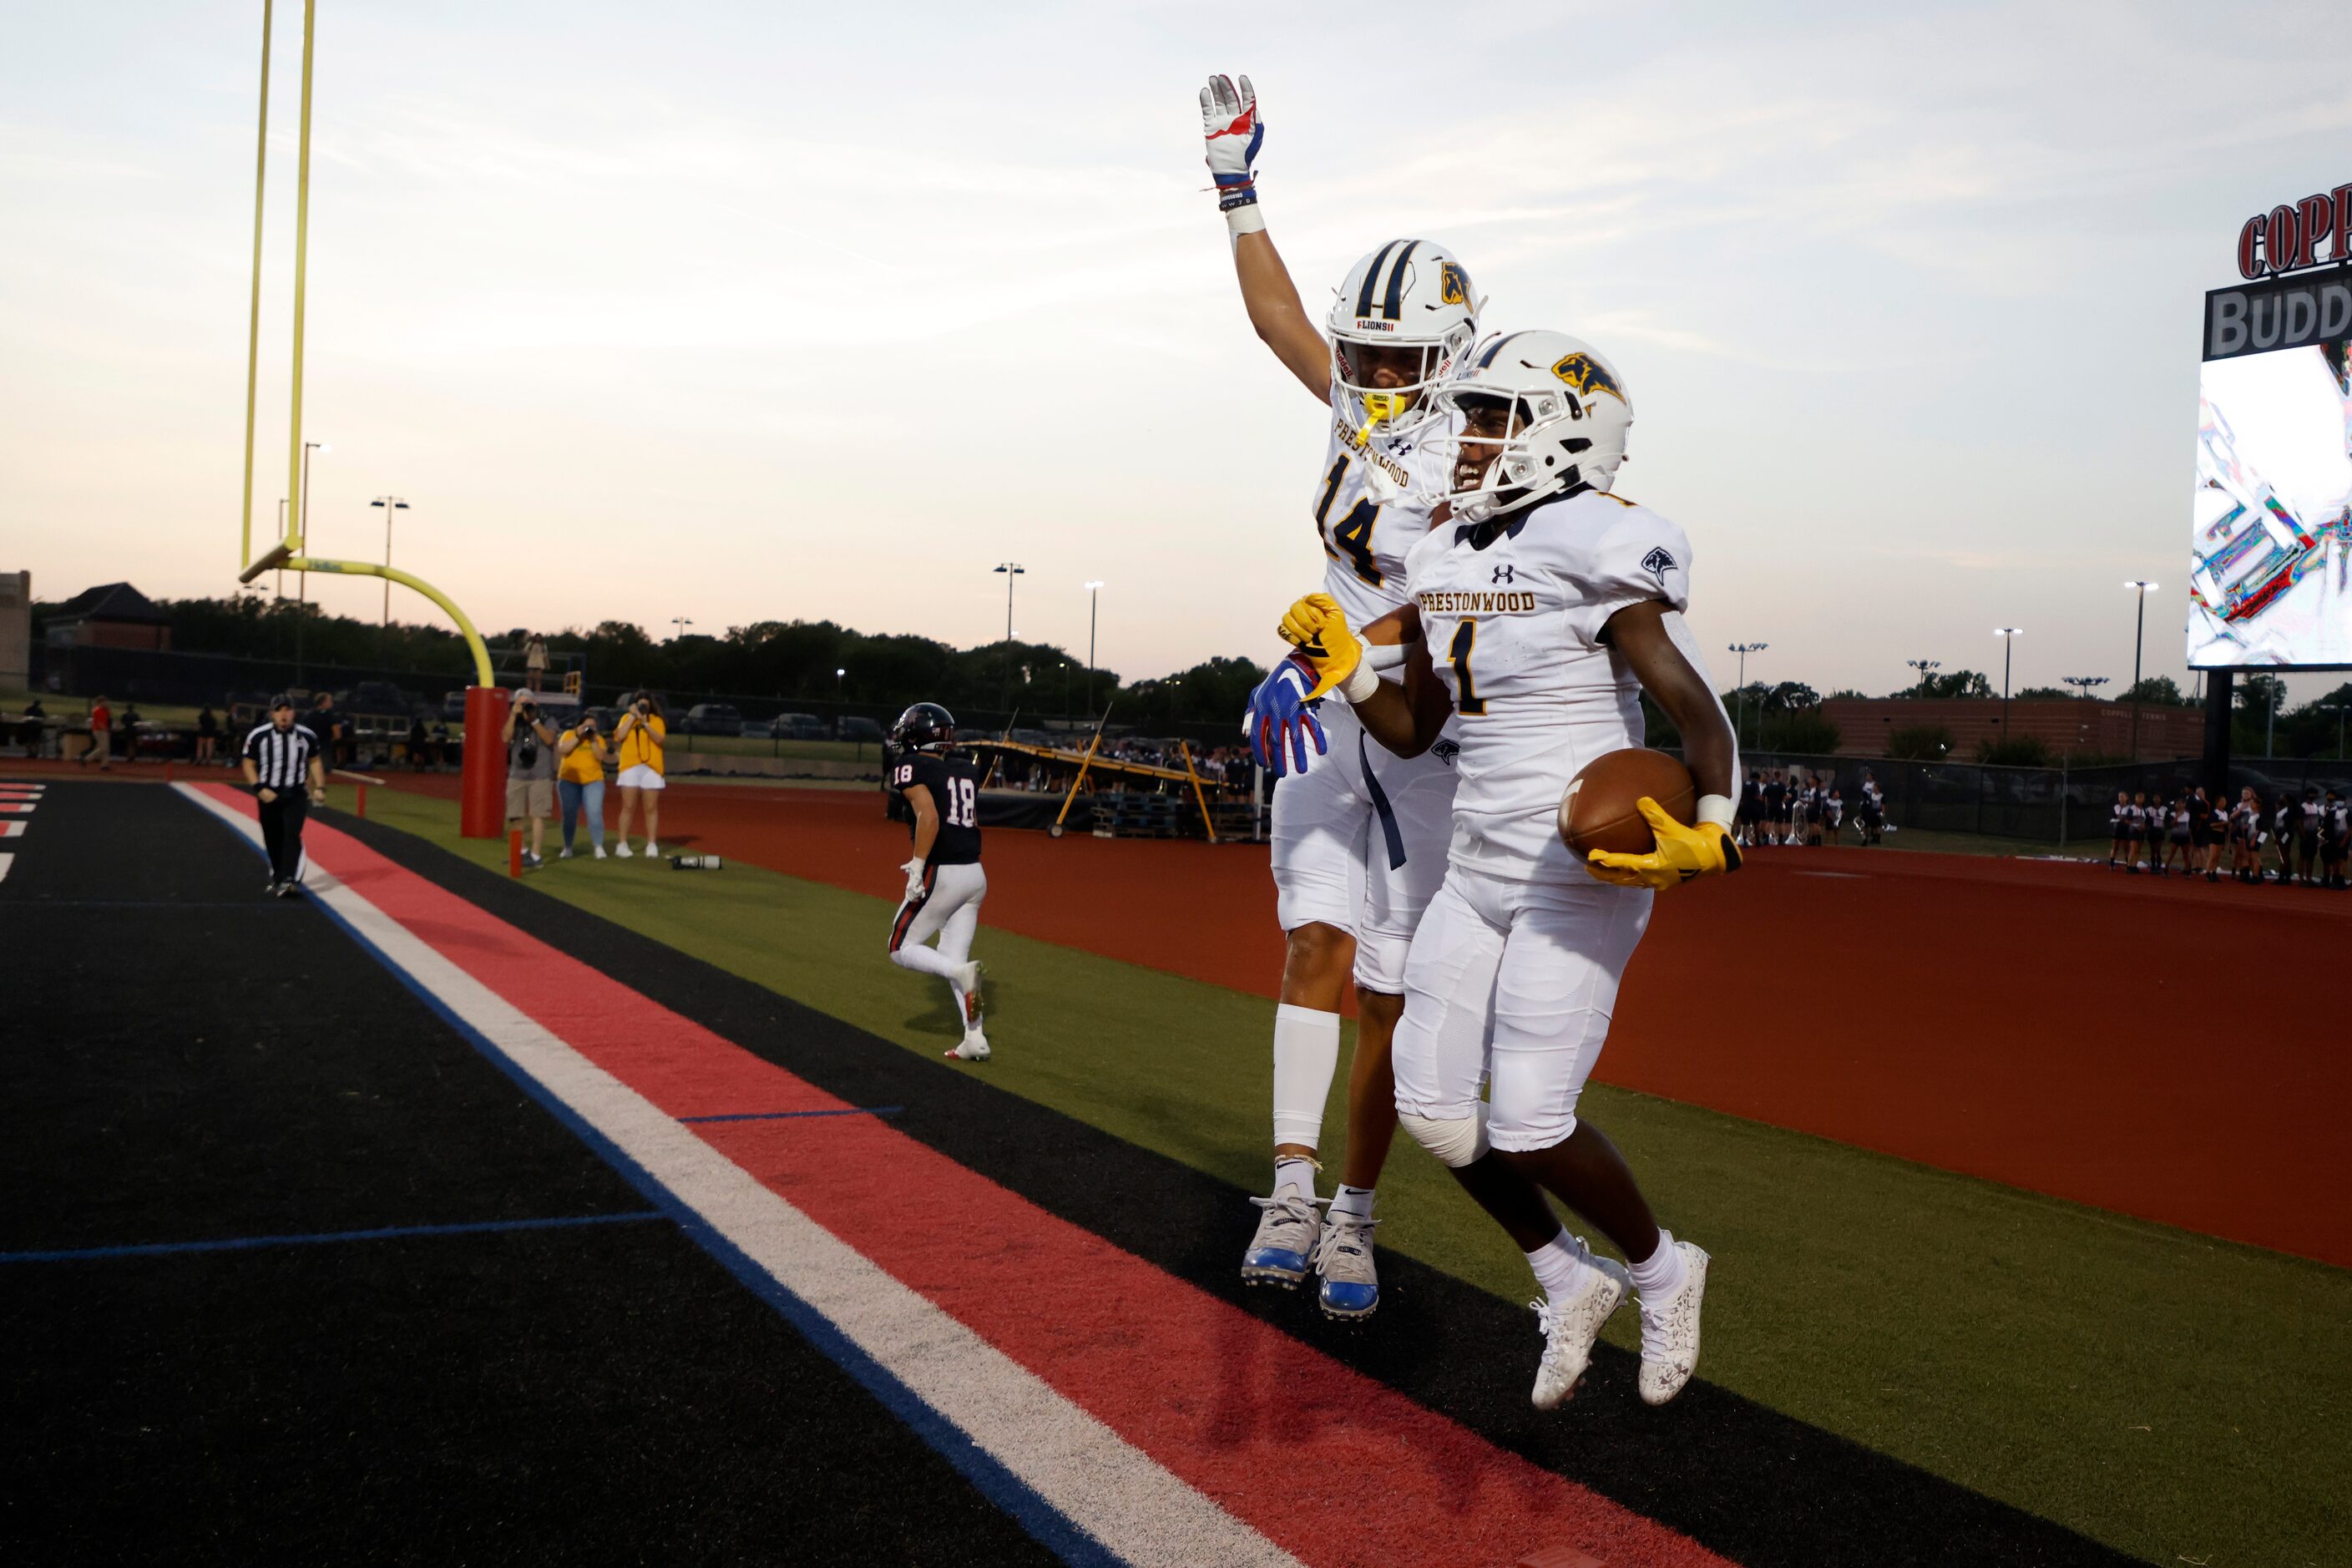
(281, 757)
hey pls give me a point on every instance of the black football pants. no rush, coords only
(281, 832)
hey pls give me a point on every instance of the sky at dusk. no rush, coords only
(756, 311)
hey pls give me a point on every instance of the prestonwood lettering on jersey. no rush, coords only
(1438, 602)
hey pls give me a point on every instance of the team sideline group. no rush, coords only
(2309, 836)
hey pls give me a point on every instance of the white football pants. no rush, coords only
(1512, 983)
(948, 909)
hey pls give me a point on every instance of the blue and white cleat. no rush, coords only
(1351, 1286)
(1284, 1247)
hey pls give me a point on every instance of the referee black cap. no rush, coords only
(281, 700)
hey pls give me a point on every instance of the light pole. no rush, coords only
(2337, 709)
(678, 625)
(302, 579)
(2083, 684)
(1925, 666)
(2139, 630)
(1009, 570)
(2007, 636)
(840, 675)
(1094, 606)
(2269, 726)
(391, 504)
(1739, 726)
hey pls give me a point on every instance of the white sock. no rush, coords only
(1296, 1173)
(1661, 1273)
(1305, 1055)
(1558, 1269)
(1356, 1201)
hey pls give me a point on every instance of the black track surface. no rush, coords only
(184, 1060)
(1749, 1482)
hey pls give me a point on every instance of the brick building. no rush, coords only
(2067, 725)
(113, 614)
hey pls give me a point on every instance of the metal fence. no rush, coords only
(2053, 806)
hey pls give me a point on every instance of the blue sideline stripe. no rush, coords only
(788, 1115)
(237, 1243)
(1048, 1525)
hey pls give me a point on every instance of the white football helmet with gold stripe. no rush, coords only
(1401, 320)
(1529, 415)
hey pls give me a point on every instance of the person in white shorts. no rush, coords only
(1539, 612)
(637, 740)
(1359, 833)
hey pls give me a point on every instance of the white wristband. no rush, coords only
(1715, 808)
(1244, 219)
(1387, 654)
(1361, 684)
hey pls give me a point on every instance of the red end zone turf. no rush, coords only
(1244, 1413)
(2160, 1048)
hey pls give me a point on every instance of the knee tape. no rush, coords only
(1455, 1140)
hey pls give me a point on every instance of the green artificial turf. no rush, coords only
(2181, 1398)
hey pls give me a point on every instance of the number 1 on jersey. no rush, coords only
(1351, 539)
(1467, 699)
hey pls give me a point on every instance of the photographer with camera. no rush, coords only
(638, 738)
(580, 782)
(531, 772)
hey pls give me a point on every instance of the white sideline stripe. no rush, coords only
(1137, 1509)
(12, 830)
(6, 861)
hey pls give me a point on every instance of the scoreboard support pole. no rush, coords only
(2219, 686)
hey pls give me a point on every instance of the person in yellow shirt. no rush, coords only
(638, 739)
(580, 782)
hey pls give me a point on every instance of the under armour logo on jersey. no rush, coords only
(1503, 573)
(1657, 563)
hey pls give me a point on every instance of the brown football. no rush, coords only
(1599, 810)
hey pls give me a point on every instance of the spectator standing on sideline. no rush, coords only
(2119, 830)
(534, 661)
(531, 773)
(329, 726)
(102, 736)
(579, 781)
(418, 742)
(34, 724)
(130, 728)
(1874, 809)
(638, 737)
(207, 734)
(283, 769)
(1751, 807)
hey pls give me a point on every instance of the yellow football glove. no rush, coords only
(1683, 854)
(1318, 627)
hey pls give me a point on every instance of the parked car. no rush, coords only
(800, 727)
(713, 718)
(453, 706)
(758, 730)
(853, 728)
(378, 697)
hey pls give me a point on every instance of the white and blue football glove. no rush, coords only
(1281, 720)
(1230, 124)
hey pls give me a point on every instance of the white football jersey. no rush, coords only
(1514, 632)
(1368, 526)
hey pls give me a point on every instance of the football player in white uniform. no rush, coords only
(1538, 615)
(1359, 833)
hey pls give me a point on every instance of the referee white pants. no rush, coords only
(1512, 984)
(946, 908)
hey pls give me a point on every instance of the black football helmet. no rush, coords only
(924, 724)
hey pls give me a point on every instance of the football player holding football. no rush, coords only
(1359, 838)
(1539, 612)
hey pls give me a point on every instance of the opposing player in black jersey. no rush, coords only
(944, 882)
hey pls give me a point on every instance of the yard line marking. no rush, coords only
(6, 861)
(787, 1115)
(1078, 1486)
(12, 830)
(387, 1232)
(18, 807)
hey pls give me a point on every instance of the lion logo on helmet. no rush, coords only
(1588, 375)
(1453, 285)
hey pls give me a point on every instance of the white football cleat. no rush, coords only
(1351, 1283)
(623, 850)
(1282, 1250)
(652, 850)
(972, 1047)
(1670, 1331)
(1571, 1327)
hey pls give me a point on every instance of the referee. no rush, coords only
(282, 761)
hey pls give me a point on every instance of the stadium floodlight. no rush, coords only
(2084, 684)
(2337, 709)
(678, 625)
(1927, 668)
(1009, 570)
(1739, 723)
(2007, 636)
(391, 504)
(2139, 631)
